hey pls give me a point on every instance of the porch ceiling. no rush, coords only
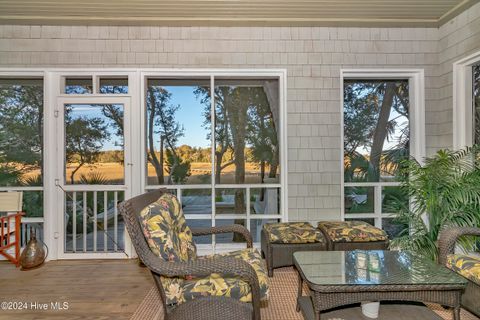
(407, 13)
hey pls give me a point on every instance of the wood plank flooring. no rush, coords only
(94, 289)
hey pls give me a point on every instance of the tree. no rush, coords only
(21, 130)
(114, 113)
(242, 115)
(84, 139)
(223, 141)
(180, 171)
(262, 134)
(368, 124)
(161, 121)
(238, 109)
(369, 107)
(381, 128)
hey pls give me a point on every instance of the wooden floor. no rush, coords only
(93, 289)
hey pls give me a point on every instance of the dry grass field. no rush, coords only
(201, 173)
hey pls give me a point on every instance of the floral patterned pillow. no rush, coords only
(166, 231)
(293, 232)
(352, 231)
(467, 266)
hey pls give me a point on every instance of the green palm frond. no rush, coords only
(445, 191)
(94, 177)
(32, 180)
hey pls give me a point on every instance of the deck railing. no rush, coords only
(29, 226)
(92, 221)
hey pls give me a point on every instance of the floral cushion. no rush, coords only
(352, 231)
(179, 290)
(292, 232)
(166, 231)
(467, 266)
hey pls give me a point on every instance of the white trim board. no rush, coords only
(463, 101)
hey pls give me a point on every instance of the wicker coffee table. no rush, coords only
(338, 278)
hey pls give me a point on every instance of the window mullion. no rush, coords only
(378, 205)
(212, 136)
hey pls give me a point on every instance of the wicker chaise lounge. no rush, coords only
(175, 267)
(466, 265)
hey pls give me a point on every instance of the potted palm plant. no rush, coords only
(444, 191)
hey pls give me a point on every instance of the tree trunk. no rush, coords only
(72, 175)
(262, 178)
(380, 132)
(224, 140)
(218, 167)
(162, 160)
(158, 166)
(379, 136)
(237, 117)
(273, 171)
(239, 179)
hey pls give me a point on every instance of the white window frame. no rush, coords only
(463, 118)
(55, 88)
(280, 75)
(416, 79)
(52, 81)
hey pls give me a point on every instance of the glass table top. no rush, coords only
(374, 267)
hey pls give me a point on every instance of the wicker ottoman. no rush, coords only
(281, 240)
(352, 235)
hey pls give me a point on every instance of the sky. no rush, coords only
(402, 123)
(95, 111)
(190, 115)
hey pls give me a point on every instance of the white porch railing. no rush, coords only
(92, 222)
(205, 212)
(378, 196)
(29, 226)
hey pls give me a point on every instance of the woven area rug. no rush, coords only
(280, 306)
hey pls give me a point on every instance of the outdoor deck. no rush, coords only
(94, 289)
(114, 289)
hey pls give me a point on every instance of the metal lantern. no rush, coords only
(33, 255)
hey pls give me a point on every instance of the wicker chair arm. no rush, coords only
(448, 238)
(233, 228)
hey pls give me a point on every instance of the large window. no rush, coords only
(376, 135)
(220, 154)
(21, 145)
